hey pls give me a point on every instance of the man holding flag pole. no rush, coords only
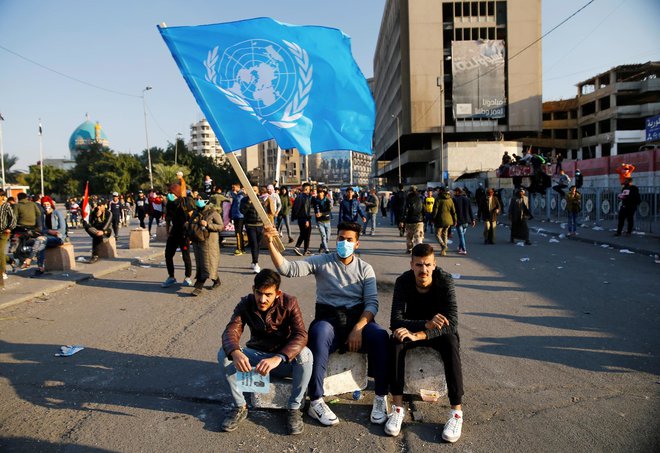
(259, 79)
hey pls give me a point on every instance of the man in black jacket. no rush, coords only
(630, 199)
(464, 218)
(178, 211)
(302, 211)
(413, 219)
(425, 314)
(398, 204)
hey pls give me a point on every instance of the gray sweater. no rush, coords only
(337, 284)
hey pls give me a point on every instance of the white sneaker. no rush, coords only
(379, 410)
(453, 427)
(255, 268)
(320, 411)
(394, 421)
(187, 282)
(4, 276)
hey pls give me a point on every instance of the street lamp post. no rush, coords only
(398, 143)
(146, 134)
(176, 146)
(442, 124)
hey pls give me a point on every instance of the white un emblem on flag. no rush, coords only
(270, 81)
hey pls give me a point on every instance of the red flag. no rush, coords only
(85, 206)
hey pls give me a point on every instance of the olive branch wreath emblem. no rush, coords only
(294, 110)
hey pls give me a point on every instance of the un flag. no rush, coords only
(259, 79)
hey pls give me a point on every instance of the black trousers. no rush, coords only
(238, 228)
(449, 348)
(255, 235)
(305, 233)
(175, 241)
(626, 214)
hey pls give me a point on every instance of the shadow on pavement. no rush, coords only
(95, 376)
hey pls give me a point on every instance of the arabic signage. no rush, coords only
(478, 79)
(653, 128)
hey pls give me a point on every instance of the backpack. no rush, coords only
(196, 232)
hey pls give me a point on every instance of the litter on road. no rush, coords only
(626, 251)
(67, 351)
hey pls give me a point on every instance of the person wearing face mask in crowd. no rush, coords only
(207, 247)
(53, 234)
(179, 208)
(346, 305)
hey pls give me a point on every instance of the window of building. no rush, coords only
(458, 11)
(547, 116)
(604, 126)
(604, 103)
(474, 9)
(482, 8)
(500, 16)
(561, 115)
(605, 149)
(466, 9)
(589, 108)
(561, 134)
(447, 12)
(491, 8)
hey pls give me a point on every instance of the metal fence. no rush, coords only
(599, 206)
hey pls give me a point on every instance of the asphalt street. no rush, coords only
(559, 345)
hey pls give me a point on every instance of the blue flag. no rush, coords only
(259, 79)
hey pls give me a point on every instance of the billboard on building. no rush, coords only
(478, 79)
(653, 128)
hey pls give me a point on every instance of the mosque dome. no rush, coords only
(85, 135)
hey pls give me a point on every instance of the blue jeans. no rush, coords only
(324, 230)
(461, 228)
(572, 222)
(322, 343)
(41, 244)
(371, 220)
(299, 369)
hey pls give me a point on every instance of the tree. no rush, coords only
(10, 161)
(164, 175)
(55, 179)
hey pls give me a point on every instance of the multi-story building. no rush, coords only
(453, 71)
(606, 118)
(291, 170)
(203, 141)
(340, 168)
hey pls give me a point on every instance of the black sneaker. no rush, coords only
(237, 415)
(294, 422)
(216, 284)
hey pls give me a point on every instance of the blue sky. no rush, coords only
(116, 46)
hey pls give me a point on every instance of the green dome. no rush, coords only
(85, 135)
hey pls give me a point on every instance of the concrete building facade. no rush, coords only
(430, 57)
(606, 118)
(203, 141)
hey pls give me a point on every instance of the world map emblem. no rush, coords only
(270, 81)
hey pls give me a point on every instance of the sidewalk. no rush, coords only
(24, 285)
(638, 242)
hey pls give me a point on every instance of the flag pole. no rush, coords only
(247, 188)
(2, 153)
(41, 156)
(278, 162)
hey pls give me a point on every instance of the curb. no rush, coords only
(59, 286)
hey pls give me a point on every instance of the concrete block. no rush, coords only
(345, 373)
(60, 258)
(108, 249)
(424, 370)
(277, 398)
(161, 233)
(139, 239)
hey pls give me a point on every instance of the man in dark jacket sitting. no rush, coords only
(99, 228)
(277, 343)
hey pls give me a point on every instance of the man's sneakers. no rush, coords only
(395, 420)
(297, 251)
(379, 410)
(237, 415)
(169, 282)
(320, 411)
(294, 422)
(187, 282)
(238, 252)
(255, 268)
(453, 427)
